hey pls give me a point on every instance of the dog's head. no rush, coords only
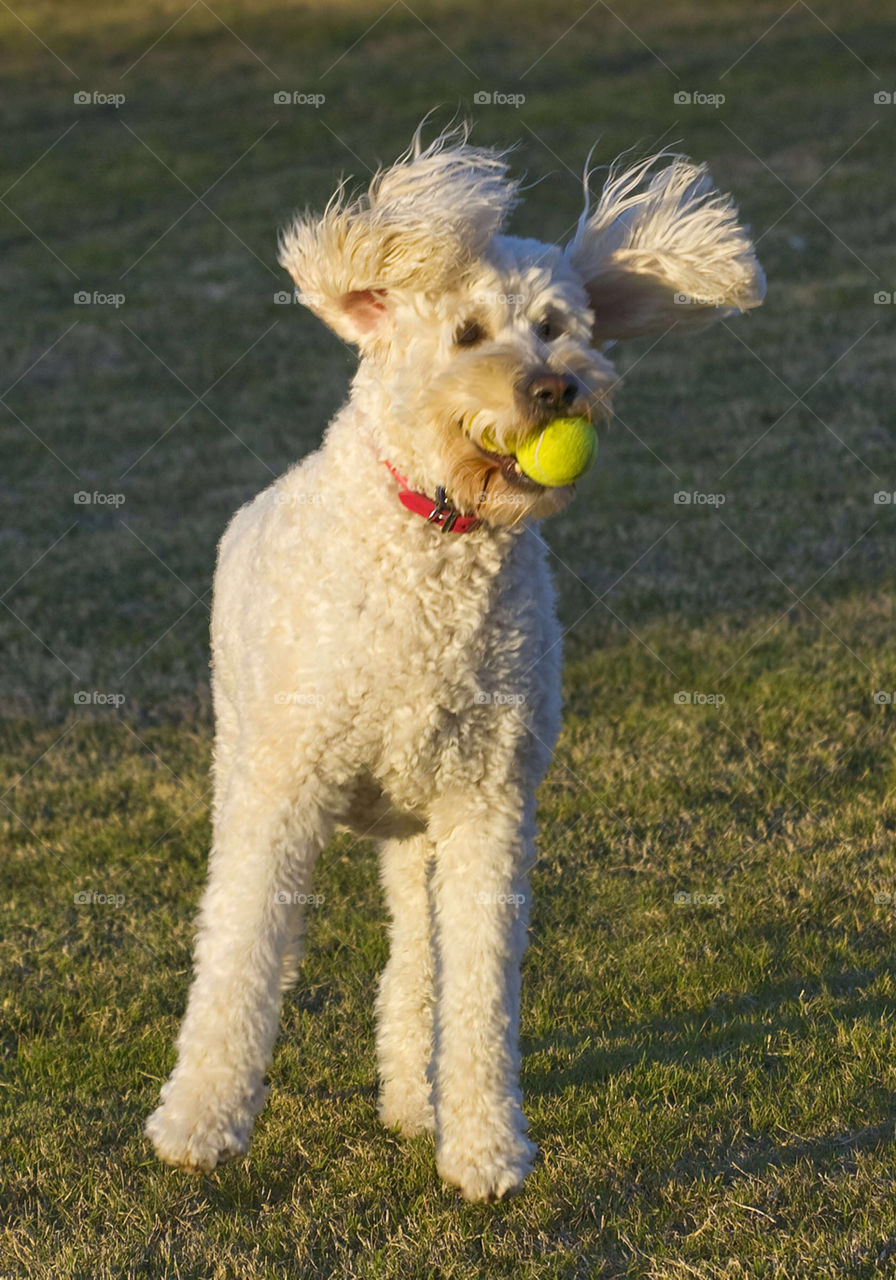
(471, 340)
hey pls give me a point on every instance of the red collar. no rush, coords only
(436, 511)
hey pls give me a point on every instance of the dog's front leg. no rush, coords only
(266, 841)
(480, 899)
(405, 999)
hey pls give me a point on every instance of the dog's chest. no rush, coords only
(453, 667)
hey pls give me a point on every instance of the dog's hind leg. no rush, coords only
(404, 1006)
(267, 834)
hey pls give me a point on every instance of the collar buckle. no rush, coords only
(443, 514)
(440, 513)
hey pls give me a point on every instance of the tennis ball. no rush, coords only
(488, 440)
(560, 453)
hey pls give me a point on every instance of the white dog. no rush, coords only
(386, 654)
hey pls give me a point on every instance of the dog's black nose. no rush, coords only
(552, 391)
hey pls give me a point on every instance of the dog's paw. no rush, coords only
(409, 1110)
(193, 1129)
(484, 1170)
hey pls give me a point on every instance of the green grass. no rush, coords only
(710, 1084)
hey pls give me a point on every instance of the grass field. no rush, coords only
(711, 1081)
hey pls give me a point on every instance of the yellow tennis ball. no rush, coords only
(488, 440)
(560, 453)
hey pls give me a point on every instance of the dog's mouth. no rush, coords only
(490, 481)
(510, 469)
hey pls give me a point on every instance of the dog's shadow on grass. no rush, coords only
(717, 1030)
(735, 1026)
(726, 1029)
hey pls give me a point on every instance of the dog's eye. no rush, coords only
(469, 333)
(547, 330)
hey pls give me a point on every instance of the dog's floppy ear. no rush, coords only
(419, 226)
(663, 249)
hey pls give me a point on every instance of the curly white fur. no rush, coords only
(663, 249)
(420, 225)
(372, 671)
